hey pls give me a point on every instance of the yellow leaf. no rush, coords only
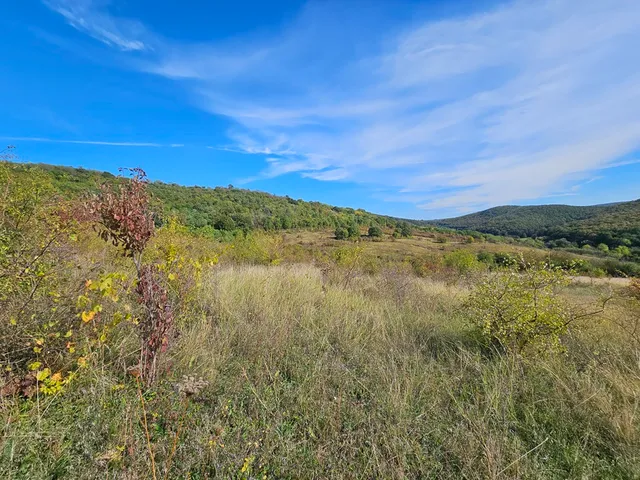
(68, 334)
(37, 349)
(171, 276)
(82, 361)
(13, 321)
(35, 366)
(88, 316)
(43, 374)
(56, 377)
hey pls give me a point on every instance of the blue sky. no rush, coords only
(414, 109)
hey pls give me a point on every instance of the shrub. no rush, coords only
(406, 230)
(341, 233)
(37, 233)
(505, 260)
(353, 231)
(462, 260)
(123, 215)
(486, 258)
(375, 231)
(519, 310)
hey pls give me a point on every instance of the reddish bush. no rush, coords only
(156, 326)
(123, 215)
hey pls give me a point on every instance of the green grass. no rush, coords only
(315, 375)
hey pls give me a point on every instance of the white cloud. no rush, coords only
(496, 107)
(83, 142)
(92, 18)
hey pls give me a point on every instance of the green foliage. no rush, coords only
(223, 208)
(257, 248)
(406, 230)
(522, 309)
(603, 247)
(37, 312)
(341, 233)
(375, 231)
(622, 251)
(353, 230)
(463, 261)
(563, 225)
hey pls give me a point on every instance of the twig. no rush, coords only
(146, 429)
(522, 456)
(175, 439)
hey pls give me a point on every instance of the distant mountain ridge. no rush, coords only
(607, 223)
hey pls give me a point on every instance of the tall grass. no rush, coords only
(313, 377)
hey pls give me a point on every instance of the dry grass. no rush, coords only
(312, 378)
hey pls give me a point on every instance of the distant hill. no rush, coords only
(612, 224)
(220, 208)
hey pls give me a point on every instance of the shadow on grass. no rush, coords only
(440, 344)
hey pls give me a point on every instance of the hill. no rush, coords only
(612, 224)
(220, 208)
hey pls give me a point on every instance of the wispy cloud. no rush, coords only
(86, 142)
(494, 107)
(92, 18)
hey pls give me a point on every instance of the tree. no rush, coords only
(224, 222)
(341, 233)
(353, 230)
(622, 251)
(603, 247)
(375, 231)
(406, 230)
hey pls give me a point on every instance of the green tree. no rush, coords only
(375, 231)
(353, 230)
(622, 251)
(341, 233)
(406, 230)
(523, 309)
(225, 222)
(603, 247)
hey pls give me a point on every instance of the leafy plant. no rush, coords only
(123, 216)
(375, 231)
(523, 309)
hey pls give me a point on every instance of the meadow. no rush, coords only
(166, 354)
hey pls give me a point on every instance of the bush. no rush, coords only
(462, 260)
(406, 230)
(375, 231)
(487, 258)
(521, 310)
(341, 233)
(353, 231)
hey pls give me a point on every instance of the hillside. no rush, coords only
(611, 224)
(161, 353)
(220, 208)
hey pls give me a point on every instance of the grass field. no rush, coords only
(315, 375)
(175, 355)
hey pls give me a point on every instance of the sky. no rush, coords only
(420, 110)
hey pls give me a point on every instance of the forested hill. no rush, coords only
(221, 208)
(616, 223)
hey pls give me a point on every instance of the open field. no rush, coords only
(168, 353)
(316, 375)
